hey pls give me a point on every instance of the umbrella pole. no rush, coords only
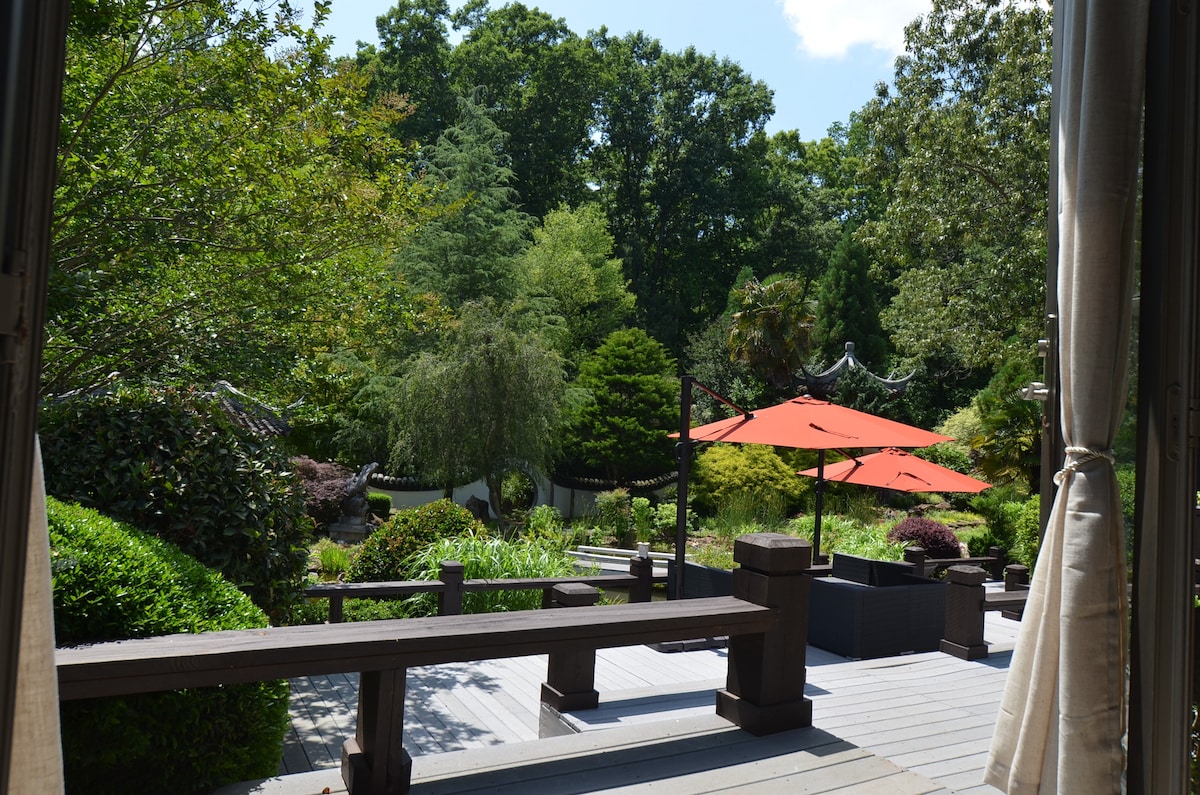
(684, 451)
(820, 504)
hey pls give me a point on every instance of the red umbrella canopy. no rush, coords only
(807, 423)
(896, 469)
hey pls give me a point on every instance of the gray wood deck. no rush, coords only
(918, 723)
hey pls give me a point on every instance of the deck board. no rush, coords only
(929, 715)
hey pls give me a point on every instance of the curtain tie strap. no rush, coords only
(1077, 457)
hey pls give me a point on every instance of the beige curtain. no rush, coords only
(1062, 717)
(37, 752)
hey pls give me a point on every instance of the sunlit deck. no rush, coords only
(918, 723)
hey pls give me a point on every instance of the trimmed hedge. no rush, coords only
(169, 462)
(385, 553)
(112, 582)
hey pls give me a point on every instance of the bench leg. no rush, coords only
(375, 762)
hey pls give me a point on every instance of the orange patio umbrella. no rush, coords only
(899, 470)
(804, 423)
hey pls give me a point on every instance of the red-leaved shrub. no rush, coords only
(324, 489)
(935, 538)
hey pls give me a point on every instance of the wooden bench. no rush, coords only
(966, 602)
(764, 693)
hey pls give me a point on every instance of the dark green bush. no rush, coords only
(112, 582)
(1027, 533)
(1000, 506)
(379, 504)
(170, 463)
(383, 555)
(935, 538)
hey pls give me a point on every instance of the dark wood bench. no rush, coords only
(766, 623)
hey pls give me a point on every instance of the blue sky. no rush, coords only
(822, 58)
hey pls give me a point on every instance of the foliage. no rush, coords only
(544, 523)
(849, 307)
(678, 153)
(335, 561)
(642, 515)
(1000, 506)
(849, 537)
(489, 558)
(744, 512)
(486, 402)
(1008, 446)
(470, 251)
(619, 431)
(571, 262)
(223, 191)
(709, 361)
(614, 516)
(112, 582)
(384, 554)
(947, 454)
(725, 473)
(958, 153)
(771, 329)
(379, 504)
(1027, 533)
(540, 82)
(935, 538)
(170, 463)
(324, 489)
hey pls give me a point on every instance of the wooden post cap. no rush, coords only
(575, 594)
(966, 575)
(772, 553)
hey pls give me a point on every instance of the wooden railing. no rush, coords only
(450, 587)
(967, 600)
(766, 622)
(925, 566)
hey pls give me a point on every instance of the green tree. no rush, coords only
(411, 65)
(539, 80)
(771, 331)
(221, 197)
(960, 150)
(619, 431)
(1008, 446)
(571, 262)
(470, 251)
(487, 402)
(673, 165)
(848, 308)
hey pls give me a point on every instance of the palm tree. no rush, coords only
(772, 331)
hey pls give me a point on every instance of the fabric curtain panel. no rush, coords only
(1062, 717)
(37, 754)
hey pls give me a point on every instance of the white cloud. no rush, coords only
(829, 28)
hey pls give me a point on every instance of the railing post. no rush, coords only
(996, 567)
(916, 556)
(764, 691)
(965, 595)
(642, 567)
(450, 600)
(1016, 578)
(375, 762)
(335, 608)
(571, 675)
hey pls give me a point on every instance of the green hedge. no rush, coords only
(385, 553)
(170, 463)
(112, 582)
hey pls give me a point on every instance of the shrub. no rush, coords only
(112, 582)
(379, 504)
(1000, 506)
(170, 463)
(642, 514)
(614, 511)
(849, 537)
(382, 556)
(1027, 533)
(545, 524)
(935, 538)
(488, 558)
(324, 489)
(724, 473)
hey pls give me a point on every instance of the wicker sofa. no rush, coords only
(871, 608)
